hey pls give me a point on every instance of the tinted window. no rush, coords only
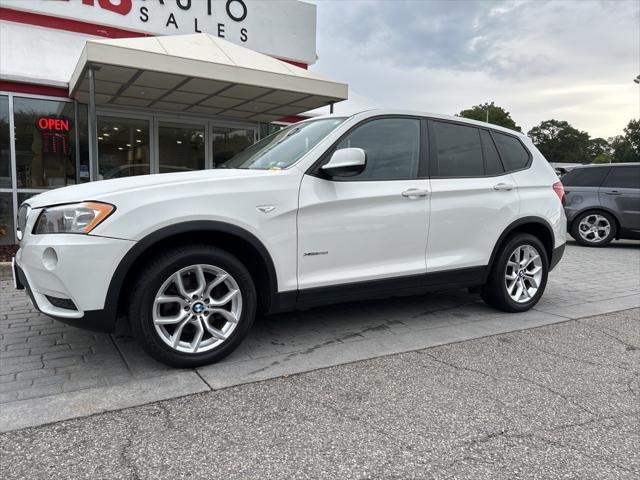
(458, 150)
(585, 177)
(392, 146)
(514, 155)
(492, 164)
(623, 177)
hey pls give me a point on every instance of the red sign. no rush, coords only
(54, 124)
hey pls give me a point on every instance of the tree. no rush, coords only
(497, 115)
(626, 148)
(603, 158)
(560, 142)
(599, 147)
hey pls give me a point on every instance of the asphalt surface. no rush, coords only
(559, 401)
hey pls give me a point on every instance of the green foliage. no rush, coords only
(626, 148)
(497, 115)
(560, 142)
(599, 146)
(603, 158)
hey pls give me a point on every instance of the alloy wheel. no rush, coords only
(523, 273)
(594, 228)
(197, 308)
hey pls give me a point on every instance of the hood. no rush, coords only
(101, 190)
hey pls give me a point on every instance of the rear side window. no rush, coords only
(492, 164)
(623, 177)
(513, 154)
(458, 150)
(585, 177)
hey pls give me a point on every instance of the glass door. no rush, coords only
(226, 141)
(123, 147)
(181, 146)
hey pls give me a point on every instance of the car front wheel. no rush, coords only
(518, 276)
(192, 306)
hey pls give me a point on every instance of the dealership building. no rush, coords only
(99, 89)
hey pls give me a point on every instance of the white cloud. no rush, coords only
(568, 60)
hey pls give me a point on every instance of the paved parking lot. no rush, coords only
(45, 363)
(556, 402)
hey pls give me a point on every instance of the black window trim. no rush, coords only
(423, 163)
(576, 170)
(433, 167)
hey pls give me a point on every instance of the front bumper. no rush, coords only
(67, 276)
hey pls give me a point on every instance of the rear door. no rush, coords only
(620, 192)
(473, 198)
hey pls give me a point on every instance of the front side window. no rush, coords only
(623, 177)
(392, 146)
(45, 143)
(513, 154)
(585, 177)
(458, 150)
(284, 148)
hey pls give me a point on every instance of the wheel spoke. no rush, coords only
(225, 299)
(197, 338)
(532, 280)
(171, 320)
(218, 280)
(164, 299)
(227, 315)
(180, 286)
(215, 333)
(178, 333)
(202, 283)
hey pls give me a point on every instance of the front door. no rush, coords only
(373, 225)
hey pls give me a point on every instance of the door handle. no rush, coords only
(503, 187)
(613, 192)
(415, 192)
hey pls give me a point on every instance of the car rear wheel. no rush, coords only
(192, 306)
(594, 229)
(518, 276)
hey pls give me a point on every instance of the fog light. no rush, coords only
(49, 258)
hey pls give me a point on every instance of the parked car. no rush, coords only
(330, 209)
(603, 203)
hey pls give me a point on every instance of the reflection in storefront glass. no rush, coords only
(6, 219)
(45, 144)
(83, 143)
(123, 147)
(227, 142)
(5, 154)
(181, 147)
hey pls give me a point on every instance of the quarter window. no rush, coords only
(623, 177)
(492, 164)
(458, 150)
(392, 146)
(513, 154)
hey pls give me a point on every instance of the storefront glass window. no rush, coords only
(123, 147)
(6, 219)
(229, 141)
(181, 147)
(45, 144)
(5, 154)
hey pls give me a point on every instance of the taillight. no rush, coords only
(559, 189)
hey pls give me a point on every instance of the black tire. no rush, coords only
(153, 276)
(575, 226)
(495, 293)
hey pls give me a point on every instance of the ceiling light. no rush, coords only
(128, 144)
(139, 141)
(115, 129)
(106, 134)
(138, 130)
(120, 148)
(179, 142)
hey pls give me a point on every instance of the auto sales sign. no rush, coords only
(283, 28)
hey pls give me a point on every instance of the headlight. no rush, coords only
(23, 214)
(74, 218)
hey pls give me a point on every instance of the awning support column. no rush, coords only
(93, 127)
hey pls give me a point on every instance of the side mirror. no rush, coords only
(345, 162)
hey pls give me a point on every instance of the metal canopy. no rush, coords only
(201, 74)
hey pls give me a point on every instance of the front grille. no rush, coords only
(61, 303)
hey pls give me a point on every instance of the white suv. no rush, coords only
(330, 209)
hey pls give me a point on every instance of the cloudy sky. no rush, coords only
(572, 60)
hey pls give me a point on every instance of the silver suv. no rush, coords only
(603, 203)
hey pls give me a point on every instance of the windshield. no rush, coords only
(284, 148)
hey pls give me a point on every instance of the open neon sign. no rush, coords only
(54, 124)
